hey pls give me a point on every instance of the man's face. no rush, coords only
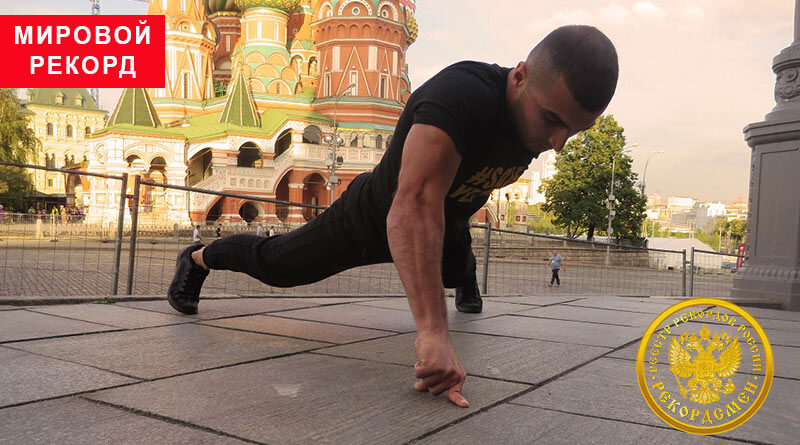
(555, 252)
(545, 113)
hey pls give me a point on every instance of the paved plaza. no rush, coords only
(541, 369)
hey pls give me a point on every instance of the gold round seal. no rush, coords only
(704, 366)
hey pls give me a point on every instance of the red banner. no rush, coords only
(82, 51)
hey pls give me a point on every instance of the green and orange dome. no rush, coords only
(286, 6)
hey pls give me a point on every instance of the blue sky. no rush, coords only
(693, 73)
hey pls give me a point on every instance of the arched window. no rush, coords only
(354, 142)
(49, 129)
(87, 131)
(283, 142)
(249, 156)
(379, 141)
(69, 131)
(312, 135)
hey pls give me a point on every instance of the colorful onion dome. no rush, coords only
(286, 6)
(221, 6)
(413, 27)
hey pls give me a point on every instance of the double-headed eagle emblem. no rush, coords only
(704, 386)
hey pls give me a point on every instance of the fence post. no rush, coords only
(134, 227)
(683, 271)
(486, 245)
(691, 271)
(123, 194)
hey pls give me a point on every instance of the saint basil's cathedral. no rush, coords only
(250, 91)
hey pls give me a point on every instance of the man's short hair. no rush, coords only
(585, 58)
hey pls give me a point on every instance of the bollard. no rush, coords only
(486, 246)
(121, 219)
(683, 272)
(53, 228)
(134, 227)
(691, 271)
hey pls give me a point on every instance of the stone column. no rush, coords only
(771, 273)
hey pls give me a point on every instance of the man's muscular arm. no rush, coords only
(415, 229)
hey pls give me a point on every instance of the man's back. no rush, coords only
(467, 101)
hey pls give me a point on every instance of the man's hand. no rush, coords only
(438, 368)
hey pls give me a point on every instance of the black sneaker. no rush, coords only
(184, 292)
(468, 299)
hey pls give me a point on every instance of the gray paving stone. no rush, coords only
(78, 421)
(24, 325)
(210, 309)
(607, 388)
(523, 360)
(490, 309)
(308, 398)
(594, 315)
(310, 330)
(394, 320)
(774, 314)
(27, 377)
(334, 300)
(628, 304)
(533, 300)
(581, 333)
(516, 424)
(787, 359)
(169, 350)
(604, 388)
(114, 315)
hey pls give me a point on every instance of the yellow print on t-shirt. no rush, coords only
(481, 184)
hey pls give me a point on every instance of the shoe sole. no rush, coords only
(469, 310)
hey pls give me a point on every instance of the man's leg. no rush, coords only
(323, 247)
(552, 277)
(459, 270)
(555, 275)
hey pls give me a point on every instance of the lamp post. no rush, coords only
(644, 183)
(644, 175)
(335, 141)
(611, 198)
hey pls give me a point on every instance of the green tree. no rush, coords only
(577, 195)
(17, 144)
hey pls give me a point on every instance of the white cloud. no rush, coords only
(615, 14)
(649, 10)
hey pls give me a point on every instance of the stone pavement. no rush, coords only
(546, 369)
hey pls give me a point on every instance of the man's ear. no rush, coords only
(520, 74)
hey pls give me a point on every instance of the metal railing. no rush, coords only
(131, 240)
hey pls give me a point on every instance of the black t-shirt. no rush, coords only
(467, 101)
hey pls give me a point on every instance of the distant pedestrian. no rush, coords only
(556, 263)
(259, 230)
(198, 240)
(64, 215)
(2, 213)
(270, 232)
(218, 231)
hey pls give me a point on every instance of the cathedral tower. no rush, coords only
(262, 55)
(190, 42)
(226, 17)
(362, 45)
